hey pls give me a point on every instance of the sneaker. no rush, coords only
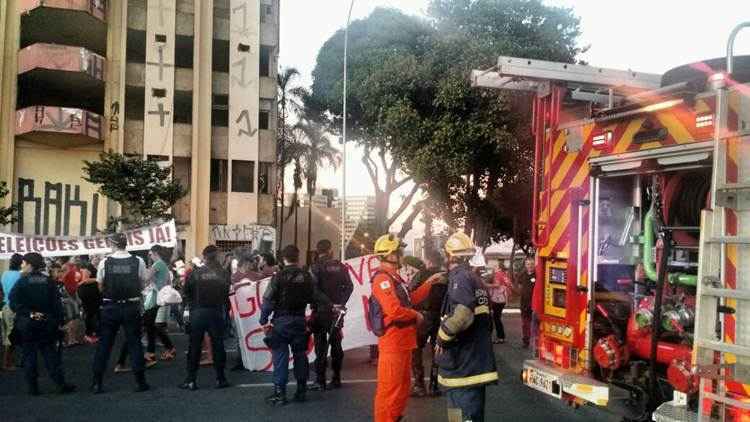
(169, 354)
(206, 362)
(121, 368)
(149, 362)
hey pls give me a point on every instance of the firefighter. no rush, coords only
(400, 337)
(206, 292)
(464, 352)
(287, 297)
(39, 316)
(334, 281)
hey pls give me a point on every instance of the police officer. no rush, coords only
(121, 277)
(464, 352)
(39, 317)
(286, 297)
(334, 281)
(206, 292)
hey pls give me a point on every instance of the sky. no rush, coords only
(643, 35)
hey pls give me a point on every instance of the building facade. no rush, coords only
(188, 83)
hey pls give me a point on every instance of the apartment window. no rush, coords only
(266, 12)
(265, 60)
(218, 175)
(264, 177)
(263, 119)
(243, 176)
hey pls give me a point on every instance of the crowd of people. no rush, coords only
(447, 304)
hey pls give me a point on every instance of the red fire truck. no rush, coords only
(641, 221)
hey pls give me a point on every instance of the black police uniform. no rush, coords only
(333, 280)
(287, 296)
(430, 309)
(121, 307)
(467, 363)
(39, 315)
(206, 292)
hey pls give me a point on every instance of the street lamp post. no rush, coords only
(343, 161)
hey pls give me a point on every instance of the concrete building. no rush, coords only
(186, 82)
(359, 210)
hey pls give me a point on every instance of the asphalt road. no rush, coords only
(508, 401)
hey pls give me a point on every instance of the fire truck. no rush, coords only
(641, 222)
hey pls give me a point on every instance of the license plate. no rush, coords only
(543, 382)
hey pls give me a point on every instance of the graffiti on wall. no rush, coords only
(52, 207)
(261, 237)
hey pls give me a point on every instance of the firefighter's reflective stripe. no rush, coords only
(478, 310)
(482, 309)
(468, 381)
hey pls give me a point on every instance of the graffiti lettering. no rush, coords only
(54, 203)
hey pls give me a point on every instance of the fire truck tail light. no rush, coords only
(704, 120)
(602, 140)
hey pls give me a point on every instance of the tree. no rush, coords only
(315, 151)
(412, 100)
(145, 191)
(289, 103)
(7, 214)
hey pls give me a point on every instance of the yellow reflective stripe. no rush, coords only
(443, 336)
(482, 309)
(467, 381)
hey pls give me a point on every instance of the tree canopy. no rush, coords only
(410, 98)
(145, 191)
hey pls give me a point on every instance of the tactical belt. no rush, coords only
(123, 301)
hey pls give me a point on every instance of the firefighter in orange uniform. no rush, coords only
(400, 337)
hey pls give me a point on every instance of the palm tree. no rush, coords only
(289, 101)
(315, 151)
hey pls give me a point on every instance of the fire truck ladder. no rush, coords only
(722, 330)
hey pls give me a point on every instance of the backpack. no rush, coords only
(375, 315)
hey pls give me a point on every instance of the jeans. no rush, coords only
(289, 332)
(43, 341)
(153, 329)
(114, 316)
(466, 404)
(497, 319)
(202, 321)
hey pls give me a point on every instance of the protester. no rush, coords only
(39, 317)
(72, 276)
(206, 293)
(333, 280)
(430, 310)
(525, 281)
(395, 346)
(244, 275)
(287, 297)
(499, 290)
(91, 299)
(9, 280)
(465, 355)
(121, 277)
(267, 265)
(155, 318)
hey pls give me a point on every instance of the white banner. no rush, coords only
(248, 297)
(138, 239)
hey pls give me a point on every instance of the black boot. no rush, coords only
(221, 380)
(96, 385)
(140, 382)
(336, 381)
(278, 398)
(300, 396)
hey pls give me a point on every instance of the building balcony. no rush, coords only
(62, 76)
(59, 126)
(72, 22)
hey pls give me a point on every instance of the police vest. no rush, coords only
(332, 279)
(470, 359)
(211, 287)
(121, 281)
(295, 291)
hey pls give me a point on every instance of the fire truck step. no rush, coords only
(729, 240)
(728, 293)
